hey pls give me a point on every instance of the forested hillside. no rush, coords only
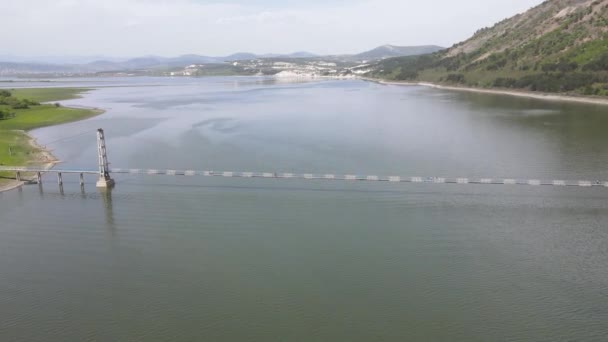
(558, 46)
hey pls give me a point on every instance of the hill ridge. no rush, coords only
(557, 46)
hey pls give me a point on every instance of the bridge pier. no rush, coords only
(105, 181)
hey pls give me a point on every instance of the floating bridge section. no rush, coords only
(313, 176)
(364, 178)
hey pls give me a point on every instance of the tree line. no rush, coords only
(8, 102)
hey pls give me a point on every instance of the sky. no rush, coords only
(130, 28)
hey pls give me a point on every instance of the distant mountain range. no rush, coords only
(79, 60)
(58, 60)
(11, 65)
(89, 64)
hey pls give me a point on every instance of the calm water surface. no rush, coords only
(186, 259)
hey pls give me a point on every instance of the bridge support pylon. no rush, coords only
(105, 181)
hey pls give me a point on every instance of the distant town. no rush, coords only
(299, 64)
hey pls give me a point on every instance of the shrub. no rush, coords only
(599, 64)
(558, 82)
(456, 78)
(16, 103)
(561, 66)
(407, 75)
(503, 82)
(20, 105)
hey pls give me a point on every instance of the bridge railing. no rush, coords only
(316, 176)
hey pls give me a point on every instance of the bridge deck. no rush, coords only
(328, 177)
(36, 170)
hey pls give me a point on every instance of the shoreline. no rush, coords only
(515, 93)
(11, 185)
(43, 157)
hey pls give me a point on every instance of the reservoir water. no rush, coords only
(199, 259)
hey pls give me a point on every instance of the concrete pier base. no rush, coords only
(105, 183)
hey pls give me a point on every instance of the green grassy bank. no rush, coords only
(15, 147)
(49, 94)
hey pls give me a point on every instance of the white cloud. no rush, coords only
(136, 27)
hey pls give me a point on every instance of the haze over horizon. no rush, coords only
(129, 28)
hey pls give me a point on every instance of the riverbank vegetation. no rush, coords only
(49, 94)
(22, 110)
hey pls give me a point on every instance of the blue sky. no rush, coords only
(220, 27)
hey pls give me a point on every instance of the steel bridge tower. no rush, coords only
(105, 181)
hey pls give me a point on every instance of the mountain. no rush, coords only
(10, 68)
(58, 60)
(301, 54)
(558, 46)
(11, 65)
(386, 51)
(239, 56)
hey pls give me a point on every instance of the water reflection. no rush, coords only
(69, 193)
(568, 139)
(106, 196)
(583, 123)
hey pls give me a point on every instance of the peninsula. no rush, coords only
(22, 110)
